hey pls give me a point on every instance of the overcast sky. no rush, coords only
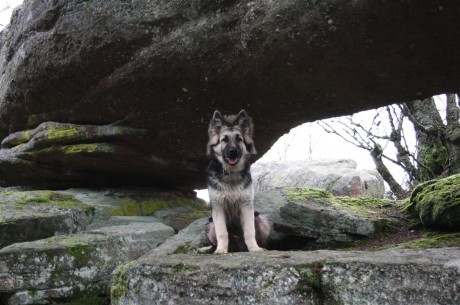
(6, 8)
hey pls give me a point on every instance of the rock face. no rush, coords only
(160, 69)
(26, 216)
(316, 277)
(318, 215)
(340, 177)
(57, 246)
(437, 203)
(73, 266)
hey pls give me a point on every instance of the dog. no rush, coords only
(234, 226)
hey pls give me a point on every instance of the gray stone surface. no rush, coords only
(320, 220)
(31, 215)
(35, 223)
(340, 177)
(316, 277)
(394, 277)
(188, 240)
(165, 66)
(75, 265)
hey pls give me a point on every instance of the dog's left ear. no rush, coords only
(246, 125)
(215, 125)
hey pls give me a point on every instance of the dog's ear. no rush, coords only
(246, 125)
(215, 125)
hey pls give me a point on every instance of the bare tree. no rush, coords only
(438, 145)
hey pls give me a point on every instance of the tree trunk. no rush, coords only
(430, 132)
(395, 188)
(453, 133)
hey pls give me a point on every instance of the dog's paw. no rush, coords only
(220, 251)
(257, 249)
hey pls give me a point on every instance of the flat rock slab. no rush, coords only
(317, 277)
(33, 215)
(33, 224)
(75, 265)
(316, 214)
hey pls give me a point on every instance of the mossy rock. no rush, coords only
(362, 206)
(437, 203)
(43, 198)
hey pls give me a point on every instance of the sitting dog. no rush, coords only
(234, 225)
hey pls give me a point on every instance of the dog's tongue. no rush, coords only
(232, 161)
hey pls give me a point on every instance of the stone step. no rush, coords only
(73, 266)
(32, 215)
(393, 277)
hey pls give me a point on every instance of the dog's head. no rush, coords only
(230, 138)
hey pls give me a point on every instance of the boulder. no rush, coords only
(436, 203)
(314, 277)
(316, 214)
(340, 177)
(73, 266)
(33, 215)
(160, 69)
(174, 208)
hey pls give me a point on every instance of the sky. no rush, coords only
(6, 8)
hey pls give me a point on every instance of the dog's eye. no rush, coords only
(238, 139)
(225, 140)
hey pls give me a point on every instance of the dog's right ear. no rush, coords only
(214, 130)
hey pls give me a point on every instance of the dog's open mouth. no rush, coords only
(232, 161)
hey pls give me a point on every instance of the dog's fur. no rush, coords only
(234, 226)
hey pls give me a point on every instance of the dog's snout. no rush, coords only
(233, 150)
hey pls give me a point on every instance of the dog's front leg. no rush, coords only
(220, 224)
(247, 223)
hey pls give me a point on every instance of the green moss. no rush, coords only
(54, 134)
(362, 206)
(182, 268)
(120, 287)
(47, 198)
(183, 249)
(77, 149)
(301, 194)
(434, 158)
(310, 284)
(133, 207)
(432, 239)
(436, 203)
(80, 251)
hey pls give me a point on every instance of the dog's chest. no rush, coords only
(235, 193)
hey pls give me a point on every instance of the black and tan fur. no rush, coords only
(234, 225)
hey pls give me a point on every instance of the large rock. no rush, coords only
(68, 267)
(174, 208)
(340, 177)
(33, 215)
(436, 203)
(162, 67)
(318, 277)
(318, 215)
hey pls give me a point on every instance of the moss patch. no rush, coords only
(432, 239)
(80, 251)
(148, 207)
(437, 203)
(302, 194)
(120, 287)
(45, 198)
(363, 206)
